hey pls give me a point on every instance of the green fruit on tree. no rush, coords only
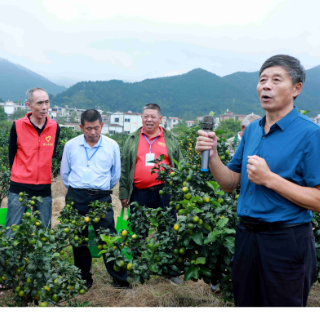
(43, 304)
(190, 226)
(188, 196)
(116, 268)
(195, 219)
(120, 263)
(21, 293)
(182, 251)
(176, 251)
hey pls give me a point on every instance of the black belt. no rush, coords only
(93, 192)
(257, 226)
(155, 188)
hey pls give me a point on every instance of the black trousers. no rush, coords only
(274, 268)
(151, 199)
(82, 255)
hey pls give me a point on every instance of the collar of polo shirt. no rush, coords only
(285, 121)
(83, 142)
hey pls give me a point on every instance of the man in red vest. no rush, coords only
(32, 143)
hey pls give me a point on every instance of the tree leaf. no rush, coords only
(229, 231)
(153, 267)
(222, 222)
(205, 271)
(197, 237)
(211, 238)
(201, 260)
(186, 240)
(207, 227)
(192, 272)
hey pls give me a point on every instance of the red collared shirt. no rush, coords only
(142, 173)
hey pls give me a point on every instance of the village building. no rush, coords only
(230, 115)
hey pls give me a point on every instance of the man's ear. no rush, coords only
(297, 89)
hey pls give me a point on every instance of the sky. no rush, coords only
(68, 41)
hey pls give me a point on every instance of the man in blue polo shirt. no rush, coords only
(277, 165)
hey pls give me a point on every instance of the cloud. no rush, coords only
(132, 40)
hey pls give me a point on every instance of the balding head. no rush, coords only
(249, 118)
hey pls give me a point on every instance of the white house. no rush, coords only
(10, 107)
(190, 123)
(129, 121)
(172, 121)
(111, 128)
(317, 119)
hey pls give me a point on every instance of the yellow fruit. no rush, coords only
(185, 189)
(124, 233)
(176, 227)
(87, 219)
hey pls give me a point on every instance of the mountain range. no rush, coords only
(15, 80)
(188, 95)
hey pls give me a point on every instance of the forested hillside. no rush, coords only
(15, 80)
(189, 95)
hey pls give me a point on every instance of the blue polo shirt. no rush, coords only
(292, 150)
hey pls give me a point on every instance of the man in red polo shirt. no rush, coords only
(137, 184)
(143, 146)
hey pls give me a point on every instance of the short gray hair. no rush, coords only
(249, 118)
(30, 92)
(152, 106)
(293, 66)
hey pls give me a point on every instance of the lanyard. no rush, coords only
(93, 153)
(150, 144)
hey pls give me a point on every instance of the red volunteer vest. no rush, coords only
(33, 161)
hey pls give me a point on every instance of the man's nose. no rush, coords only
(267, 85)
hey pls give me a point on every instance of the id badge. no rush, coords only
(86, 177)
(150, 157)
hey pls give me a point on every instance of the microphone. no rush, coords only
(207, 126)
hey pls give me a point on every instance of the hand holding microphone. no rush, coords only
(206, 142)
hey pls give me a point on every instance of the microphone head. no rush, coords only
(207, 123)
